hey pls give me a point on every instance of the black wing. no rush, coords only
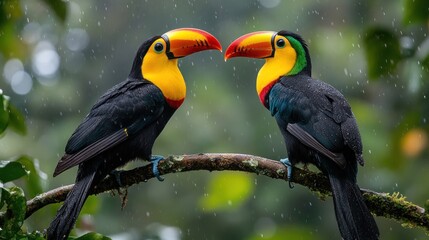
(335, 106)
(119, 114)
(320, 112)
(309, 141)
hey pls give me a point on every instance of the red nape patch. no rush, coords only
(264, 92)
(175, 103)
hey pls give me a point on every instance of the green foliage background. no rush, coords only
(375, 52)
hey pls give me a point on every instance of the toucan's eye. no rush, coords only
(158, 47)
(281, 43)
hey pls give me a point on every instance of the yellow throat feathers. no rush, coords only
(277, 66)
(165, 74)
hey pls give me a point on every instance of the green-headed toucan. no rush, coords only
(124, 123)
(315, 120)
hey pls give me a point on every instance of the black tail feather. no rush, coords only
(66, 217)
(353, 217)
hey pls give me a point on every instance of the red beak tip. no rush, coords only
(217, 45)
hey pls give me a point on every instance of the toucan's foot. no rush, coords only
(289, 167)
(155, 160)
(117, 175)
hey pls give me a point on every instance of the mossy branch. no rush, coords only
(392, 206)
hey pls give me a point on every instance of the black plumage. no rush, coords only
(121, 126)
(124, 123)
(303, 106)
(319, 128)
(315, 120)
(113, 133)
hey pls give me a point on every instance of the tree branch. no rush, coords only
(393, 206)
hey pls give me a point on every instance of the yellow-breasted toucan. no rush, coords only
(124, 123)
(315, 120)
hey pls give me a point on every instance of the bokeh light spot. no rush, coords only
(46, 60)
(21, 83)
(269, 3)
(11, 67)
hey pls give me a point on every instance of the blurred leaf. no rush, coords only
(227, 190)
(413, 71)
(422, 54)
(9, 11)
(11, 45)
(36, 235)
(289, 232)
(3, 14)
(382, 51)
(35, 176)
(412, 117)
(4, 113)
(92, 205)
(10, 171)
(425, 63)
(374, 137)
(59, 7)
(10, 116)
(16, 120)
(416, 11)
(91, 236)
(15, 202)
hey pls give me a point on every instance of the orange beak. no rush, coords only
(182, 42)
(252, 45)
